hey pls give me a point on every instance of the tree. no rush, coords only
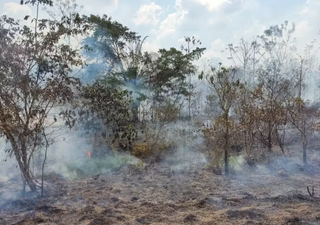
(33, 2)
(267, 63)
(115, 55)
(37, 3)
(191, 42)
(277, 42)
(34, 79)
(168, 76)
(247, 56)
(105, 110)
(115, 87)
(265, 107)
(303, 117)
(300, 111)
(111, 44)
(66, 11)
(226, 87)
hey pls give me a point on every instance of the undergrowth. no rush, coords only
(95, 166)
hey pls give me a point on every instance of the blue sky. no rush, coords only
(215, 22)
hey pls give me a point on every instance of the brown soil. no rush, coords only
(161, 196)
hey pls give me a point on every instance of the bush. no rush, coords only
(214, 144)
(153, 146)
(141, 150)
(212, 149)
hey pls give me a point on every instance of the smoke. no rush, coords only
(9, 174)
(187, 140)
(8, 166)
(280, 163)
(68, 147)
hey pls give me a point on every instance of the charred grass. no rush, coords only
(159, 195)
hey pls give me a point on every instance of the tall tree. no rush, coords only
(115, 55)
(34, 78)
(168, 76)
(66, 11)
(226, 86)
(191, 43)
(115, 88)
(267, 63)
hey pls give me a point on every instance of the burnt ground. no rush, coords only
(160, 195)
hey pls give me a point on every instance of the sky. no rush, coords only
(216, 23)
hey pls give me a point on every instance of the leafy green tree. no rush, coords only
(126, 76)
(106, 112)
(114, 89)
(115, 55)
(34, 79)
(168, 76)
(112, 44)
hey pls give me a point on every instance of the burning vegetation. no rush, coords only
(109, 134)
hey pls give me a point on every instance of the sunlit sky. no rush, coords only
(215, 22)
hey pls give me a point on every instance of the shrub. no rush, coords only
(153, 146)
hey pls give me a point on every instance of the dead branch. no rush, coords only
(310, 193)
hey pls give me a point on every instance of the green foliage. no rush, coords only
(169, 72)
(113, 40)
(107, 111)
(34, 2)
(119, 50)
(111, 105)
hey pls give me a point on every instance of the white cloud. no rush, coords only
(148, 14)
(112, 3)
(215, 50)
(16, 10)
(106, 6)
(307, 21)
(212, 4)
(302, 28)
(150, 47)
(305, 10)
(98, 7)
(250, 30)
(310, 8)
(170, 24)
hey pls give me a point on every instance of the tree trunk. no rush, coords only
(226, 161)
(305, 155)
(29, 179)
(226, 144)
(23, 164)
(269, 144)
(304, 149)
(135, 110)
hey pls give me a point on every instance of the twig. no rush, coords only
(310, 193)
